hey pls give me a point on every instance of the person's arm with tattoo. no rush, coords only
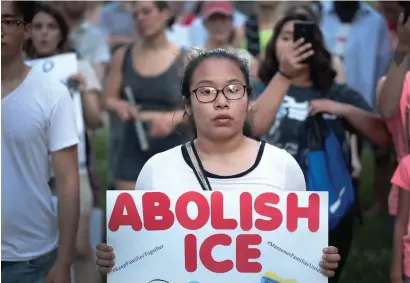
(391, 88)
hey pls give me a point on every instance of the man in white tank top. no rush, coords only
(37, 120)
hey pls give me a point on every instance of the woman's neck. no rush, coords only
(39, 56)
(208, 146)
(302, 80)
(156, 42)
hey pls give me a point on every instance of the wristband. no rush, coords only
(284, 75)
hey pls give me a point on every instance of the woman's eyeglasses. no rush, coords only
(208, 94)
(10, 26)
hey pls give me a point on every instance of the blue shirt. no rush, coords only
(115, 20)
(90, 43)
(367, 53)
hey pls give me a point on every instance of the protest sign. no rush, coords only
(60, 67)
(211, 237)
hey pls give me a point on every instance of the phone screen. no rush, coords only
(305, 30)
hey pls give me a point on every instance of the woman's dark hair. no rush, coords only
(303, 8)
(27, 9)
(161, 5)
(61, 23)
(194, 60)
(321, 71)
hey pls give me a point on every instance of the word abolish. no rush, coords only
(158, 215)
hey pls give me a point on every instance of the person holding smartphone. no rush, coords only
(313, 90)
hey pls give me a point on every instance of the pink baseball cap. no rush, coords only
(217, 7)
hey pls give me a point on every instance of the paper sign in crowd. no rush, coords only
(212, 237)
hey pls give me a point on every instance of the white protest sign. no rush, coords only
(206, 237)
(60, 67)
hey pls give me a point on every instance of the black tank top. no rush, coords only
(157, 93)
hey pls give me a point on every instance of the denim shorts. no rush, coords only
(406, 279)
(33, 271)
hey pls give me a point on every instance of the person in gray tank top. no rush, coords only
(148, 71)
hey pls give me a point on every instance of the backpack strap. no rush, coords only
(199, 173)
(127, 57)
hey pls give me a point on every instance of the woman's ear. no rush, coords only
(166, 16)
(27, 31)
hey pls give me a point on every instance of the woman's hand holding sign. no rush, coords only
(105, 260)
(330, 261)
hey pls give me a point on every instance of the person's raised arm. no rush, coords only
(267, 104)
(265, 107)
(390, 90)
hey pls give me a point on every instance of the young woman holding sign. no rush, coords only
(217, 90)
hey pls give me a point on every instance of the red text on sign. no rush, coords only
(158, 215)
(244, 253)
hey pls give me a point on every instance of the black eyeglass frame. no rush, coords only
(14, 25)
(245, 88)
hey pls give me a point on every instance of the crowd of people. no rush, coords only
(234, 87)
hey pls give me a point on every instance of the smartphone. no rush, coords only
(305, 30)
